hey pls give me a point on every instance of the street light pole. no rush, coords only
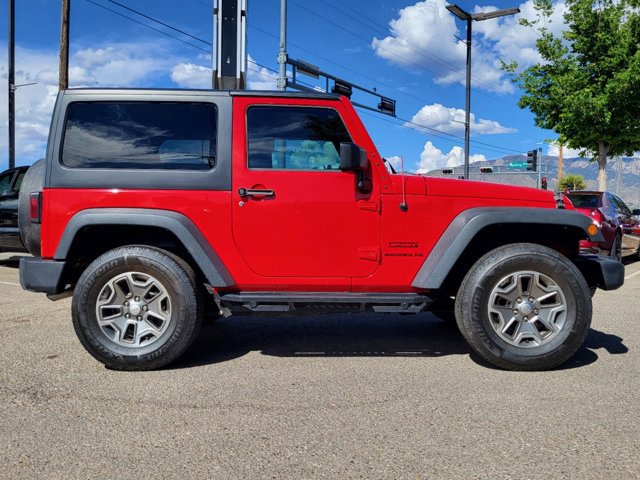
(12, 89)
(468, 17)
(467, 102)
(282, 54)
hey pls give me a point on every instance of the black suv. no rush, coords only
(10, 181)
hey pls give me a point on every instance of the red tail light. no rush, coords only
(597, 216)
(35, 207)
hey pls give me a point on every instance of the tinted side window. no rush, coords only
(620, 206)
(141, 135)
(296, 138)
(18, 183)
(5, 183)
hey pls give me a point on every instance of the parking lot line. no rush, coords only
(632, 275)
(9, 283)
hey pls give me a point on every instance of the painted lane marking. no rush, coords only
(632, 275)
(17, 284)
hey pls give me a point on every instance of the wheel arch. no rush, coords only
(92, 232)
(476, 231)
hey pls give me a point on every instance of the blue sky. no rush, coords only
(407, 50)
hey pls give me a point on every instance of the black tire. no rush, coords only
(616, 247)
(508, 343)
(182, 310)
(32, 182)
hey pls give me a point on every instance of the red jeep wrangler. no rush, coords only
(153, 205)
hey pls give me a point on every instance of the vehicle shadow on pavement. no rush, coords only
(10, 261)
(364, 335)
(586, 355)
(422, 335)
(596, 340)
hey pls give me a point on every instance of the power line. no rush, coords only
(147, 26)
(369, 78)
(435, 131)
(450, 137)
(360, 74)
(418, 49)
(160, 22)
(438, 60)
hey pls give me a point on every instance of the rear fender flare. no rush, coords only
(184, 229)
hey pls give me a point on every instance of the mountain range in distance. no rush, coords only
(629, 181)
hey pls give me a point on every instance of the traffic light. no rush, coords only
(532, 160)
(447, 171)
(543, 183)
(486, 169)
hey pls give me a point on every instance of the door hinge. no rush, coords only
(370, 253)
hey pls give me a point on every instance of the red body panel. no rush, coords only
(317, 233)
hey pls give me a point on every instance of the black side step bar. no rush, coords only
(325, 301)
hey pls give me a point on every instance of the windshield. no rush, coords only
(581, 200)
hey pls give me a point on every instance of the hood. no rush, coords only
(448, 187)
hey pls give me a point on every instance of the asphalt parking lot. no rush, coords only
(316, 397)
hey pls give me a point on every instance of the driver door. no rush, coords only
(305, 217)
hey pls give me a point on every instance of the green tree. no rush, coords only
(587, 86)
(572, 182)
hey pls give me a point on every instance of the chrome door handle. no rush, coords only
(255, 192)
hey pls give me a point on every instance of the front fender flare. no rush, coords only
(461, 231)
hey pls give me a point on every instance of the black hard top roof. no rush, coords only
(191, 92)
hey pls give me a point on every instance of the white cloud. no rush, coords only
(394, 161)
(33, 104)
(135, 64)
(433, 158)
(567, 152)
(451, 120)
(189, 75)
(260, 78)
(118, 64)
(512, 41)
(424, 36)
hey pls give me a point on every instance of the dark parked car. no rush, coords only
(618, 225)
(10, 182)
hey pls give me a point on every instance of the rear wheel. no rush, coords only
(136, 308)
(524, 307)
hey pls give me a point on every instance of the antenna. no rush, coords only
(403, 205)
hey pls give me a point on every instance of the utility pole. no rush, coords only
(214, 43)
(560, 162)
(12, 87)
(618, 175)
(282, 55)
(63, 82)
(539, 181)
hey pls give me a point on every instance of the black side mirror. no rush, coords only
(352, 158)
(636, 211)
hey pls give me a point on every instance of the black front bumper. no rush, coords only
(40, 275)
(603, 272)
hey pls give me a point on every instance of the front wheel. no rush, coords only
(136, 308)
(524, 307)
